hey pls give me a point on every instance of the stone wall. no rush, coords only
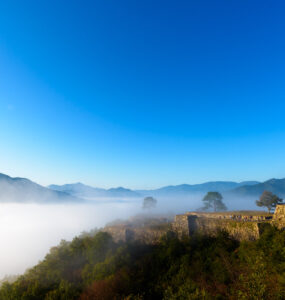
(181, 225)
(245, 225)
(189, 224)
(234, 215)
(146, 234)
(236, 229)
(279, 216)
(242, 225)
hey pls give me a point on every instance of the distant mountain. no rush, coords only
(82, 190)
(276, 186)
(184, 189)
(24, 190)
(85, 191)
(122, 192)
(78, 189)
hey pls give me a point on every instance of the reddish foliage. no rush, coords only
(106, 289)
(99, 290)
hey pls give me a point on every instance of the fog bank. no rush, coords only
(28, 231)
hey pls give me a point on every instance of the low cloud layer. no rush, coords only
(27, 231)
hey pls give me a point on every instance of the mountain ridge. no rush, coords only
(83, 190)
(219, 186)
(87, 191)
(22, 190)
(276, 186)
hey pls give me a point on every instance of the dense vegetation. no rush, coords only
(200, 267)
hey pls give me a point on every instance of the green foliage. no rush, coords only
(268, 200)
(200, 267)
(214, 200)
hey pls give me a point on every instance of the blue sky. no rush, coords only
(142, 93)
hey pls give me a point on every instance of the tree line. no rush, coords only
(213, 201)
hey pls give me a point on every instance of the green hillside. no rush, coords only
(200, 267)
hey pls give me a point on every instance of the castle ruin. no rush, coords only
(240, 225)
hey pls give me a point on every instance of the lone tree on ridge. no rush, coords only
(214, 200)
(149, 202)
(268, 200)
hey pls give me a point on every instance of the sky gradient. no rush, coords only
(142, 94)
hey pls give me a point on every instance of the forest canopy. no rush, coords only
(198, 267)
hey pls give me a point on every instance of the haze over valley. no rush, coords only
(238, 195)
(34, 218)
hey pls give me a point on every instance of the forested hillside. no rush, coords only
(93, 266)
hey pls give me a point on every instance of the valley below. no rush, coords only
(28, 231)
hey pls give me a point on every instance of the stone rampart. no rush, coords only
(146, 234)
(279, 216)
(241, 225)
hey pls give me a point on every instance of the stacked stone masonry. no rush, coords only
(243, 225)
(279, 217)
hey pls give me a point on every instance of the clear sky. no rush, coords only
(142, 94)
